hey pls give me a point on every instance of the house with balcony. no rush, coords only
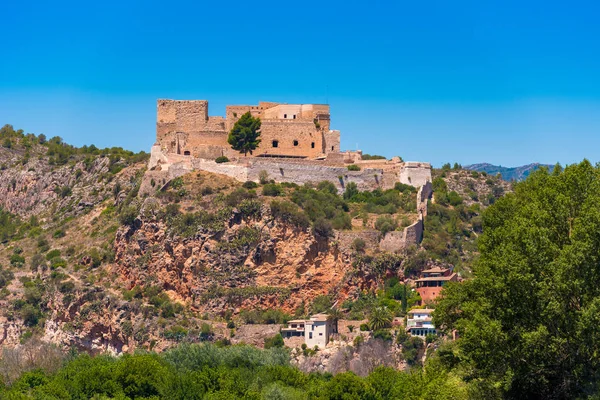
(419, 322)
(316, 330)
(431, 282)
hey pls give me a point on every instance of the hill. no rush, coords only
(508, 174)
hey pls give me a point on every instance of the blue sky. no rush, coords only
(507, 82)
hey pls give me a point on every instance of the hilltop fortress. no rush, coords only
(297, 145)
(287, 130)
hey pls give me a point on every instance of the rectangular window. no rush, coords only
(310, 335)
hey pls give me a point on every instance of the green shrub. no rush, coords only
(52, 254)
(275, 341)
(289, 213)
(364, 328)
(322, 228)
(358, 245)
(221, 159)
(59, 233)
(353, 167)
(250, 185)
(385, 224)
(272, 189)
(17, 260)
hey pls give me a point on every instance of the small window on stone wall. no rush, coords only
(295, 143)
(275, 143)
(186, 153)
(284, 115)
(294, 116)
(312, 145)
(331, 148)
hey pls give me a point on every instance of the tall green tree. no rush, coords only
(244, 136)
(528, 322)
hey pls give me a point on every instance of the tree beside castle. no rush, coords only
(244, 136)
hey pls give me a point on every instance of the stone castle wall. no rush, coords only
(296, 130)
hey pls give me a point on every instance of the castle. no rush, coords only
(287, 130)
(297, 145)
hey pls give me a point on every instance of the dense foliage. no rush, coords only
(528, 321)
(209, 372)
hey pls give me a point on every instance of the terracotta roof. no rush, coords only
(435, 269)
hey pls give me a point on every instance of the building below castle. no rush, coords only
(299, 131)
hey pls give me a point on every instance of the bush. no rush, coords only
(383, 334)
(272, 189)
(289, 212)
(221, 159)
(358, 245)
(263, 177)
(128, 215)
(353, 167)
(364, 327)
(322, 228)
(52, 253)
(385, 224)
(250, 185)
(275, 341)
(17, 260)
(59, 233)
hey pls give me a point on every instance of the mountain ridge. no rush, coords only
(508, 173)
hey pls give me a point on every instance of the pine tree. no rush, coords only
(244, 136)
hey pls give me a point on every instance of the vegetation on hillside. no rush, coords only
(528, 320)
(210, 372)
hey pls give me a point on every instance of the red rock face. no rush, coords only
(286, 267)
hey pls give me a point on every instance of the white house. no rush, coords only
(419, 322)
(316, 330)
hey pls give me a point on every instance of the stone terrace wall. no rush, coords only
(345, 238)
(303, 172)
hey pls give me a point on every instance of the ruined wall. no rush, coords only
(182, 125)
(345, 238)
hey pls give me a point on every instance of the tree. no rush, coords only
(244, 136)
(380, 318)
(527, 322)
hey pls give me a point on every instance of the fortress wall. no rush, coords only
(413, 234)
(345, 238)
(192, 115)
(301, 173)
(415, 174)
(285, 131)
(393, 241)
(236, 171)
(331, 141)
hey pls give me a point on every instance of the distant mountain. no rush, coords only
(508, 174)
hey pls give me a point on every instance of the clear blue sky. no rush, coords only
(507, 82)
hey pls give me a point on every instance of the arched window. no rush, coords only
(295, 143)
(312, 145)
(284, 115)
(186, 153)
(275, 143)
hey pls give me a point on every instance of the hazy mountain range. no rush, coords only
(508, 173)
